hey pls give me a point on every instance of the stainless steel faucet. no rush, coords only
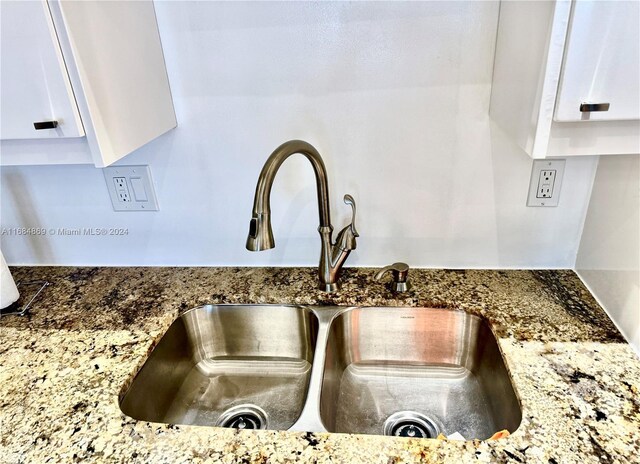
(332, 255)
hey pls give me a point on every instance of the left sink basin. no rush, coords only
(242, 366)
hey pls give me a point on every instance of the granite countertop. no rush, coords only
(63, 367)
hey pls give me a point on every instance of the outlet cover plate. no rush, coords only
(541, 194)
(131, 188)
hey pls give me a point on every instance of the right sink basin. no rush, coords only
(415, 372)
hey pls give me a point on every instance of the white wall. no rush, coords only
(395, 96)
(609, 255)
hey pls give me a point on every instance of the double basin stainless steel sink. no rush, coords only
(413, 372)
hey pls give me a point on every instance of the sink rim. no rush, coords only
(210, 306)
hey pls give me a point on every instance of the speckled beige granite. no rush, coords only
(62, 367)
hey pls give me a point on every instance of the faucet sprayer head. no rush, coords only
(260, 234)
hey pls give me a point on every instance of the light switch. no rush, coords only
(131, 188)
(139, 193)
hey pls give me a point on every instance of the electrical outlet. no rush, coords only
(131, 188)
(122, 190)
(545, 183)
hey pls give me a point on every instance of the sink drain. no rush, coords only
(410, 424)
(244, 416)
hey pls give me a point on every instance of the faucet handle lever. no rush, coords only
(346, 239)
(348, 200)
(400, 274)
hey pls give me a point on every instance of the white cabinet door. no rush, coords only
(34, 83)
(602, 62)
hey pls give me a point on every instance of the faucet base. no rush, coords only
(334, 287)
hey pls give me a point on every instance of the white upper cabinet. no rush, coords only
(34, 84)
(602, 62)
(94, 67)
(567, 77)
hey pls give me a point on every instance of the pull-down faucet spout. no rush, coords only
(333, 255)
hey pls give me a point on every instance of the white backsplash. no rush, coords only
(395, 96)
(609, 256)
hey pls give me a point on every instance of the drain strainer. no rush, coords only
(410, 424)
(244, 416)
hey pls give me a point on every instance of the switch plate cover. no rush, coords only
(131, 188)
(545, 182)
